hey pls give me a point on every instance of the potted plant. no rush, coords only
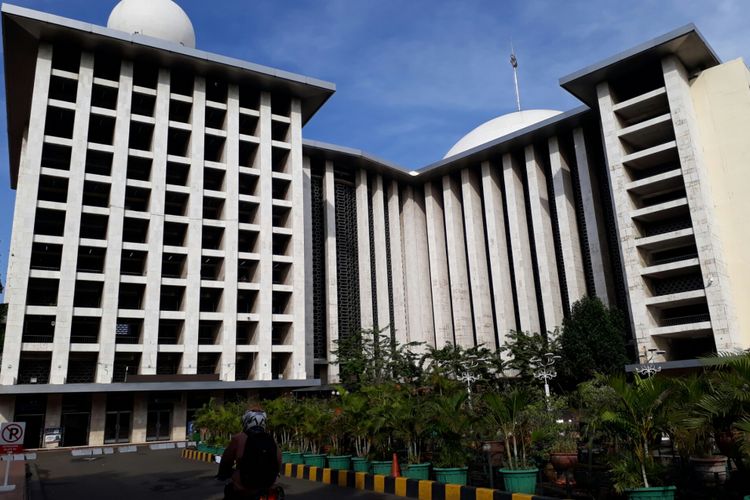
(640, 419)
(337, 433)
(505, 412)
(358, 425)
(218, 423)
(380, 399)
(411, 427)
(284, 422)
(449, 422)
(564, 451)
(314, 424)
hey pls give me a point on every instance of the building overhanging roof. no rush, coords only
(24, 28)
(686, 43)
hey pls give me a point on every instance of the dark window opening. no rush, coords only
(46, 257)
(141, 136)
(694, 313)
(139, 169)
(248, 154)
(281, 334)
(674, 254)
(247, 271)
(212, 269)
(133, 263)
(55, 156)
(182, 83)
(215, 118)
(171, 298)
(128, 331)
(248, 212)
(168, 363)
(208, 363)
(94, 226)
(88, 294)
(280, 362)
(145, 75)
(249, 97)
(33, 368)
(248, 125)
(281, 303)
(170, 331)
(49, 222)
(676, 284)
(104, 97)
(131, 296)
(280, 189)
(248, 184)
(214, 148)
(98, 162)
(96, 194)
(213, 208)
(174, 234)
(59, 122)
(178, 142)
(213, 179)
(281, 244)
(135, 230)
(66, 58)
(210, 300)
(209, 332)
(180, 111)
(143, 104)
(63, 89)
(137, 198)
(175, 203)
(248, 241)
(246, 300)
(42, 292)
(85, 330)
(247, 332)
(245, 366)
(212, 237)
(38, 329)
(107, 67)
(691, 348)
(101, 129)
(281, 216)
(282, 273)
(280, 131)
(279, 160)
(177, 174)
(281, 104)
(53, 189)
(173, 265)
(216, 91)
(81, 368)
(91, 260)
(126, 363)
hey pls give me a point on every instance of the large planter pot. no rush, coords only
(520, 481)
(295, 458)
(315, 460)
(417, 471)
(215, 450)
(382, 467)
(654, 493)
(340, 462)
(285, 457)
(495, 450)
(451, 475)
(360, 464)
(712, 471)
(563, 462)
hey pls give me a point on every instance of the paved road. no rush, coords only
(147, 475)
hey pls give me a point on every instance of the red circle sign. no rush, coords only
(12, 433)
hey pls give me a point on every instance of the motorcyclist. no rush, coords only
(252, 459)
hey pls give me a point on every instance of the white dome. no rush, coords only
(162, 19)
(499, 127)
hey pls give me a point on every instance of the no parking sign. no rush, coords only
(11, 437)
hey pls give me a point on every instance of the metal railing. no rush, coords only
(685, 320)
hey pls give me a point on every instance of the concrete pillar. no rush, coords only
(140, 418)
(300, 209)
(231, 237)
(265, 241)
(69, 260)
(565, 204)
(596, 234)
(441, 291)
(53, 416)
(724, 323)
(195, 230)
(381, 256)
(363, 253)
(7, 408)
(544, 240)
(397, 264)
(497, 244)
(24, 217)
(463, 323)
(416, 260)
(98, 418)
(476, 251)
(307, 296)
(110, 295)
(520, 245)
(179, 419)
(152, 303)
(332, 314)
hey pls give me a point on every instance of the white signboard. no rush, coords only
(11, 437)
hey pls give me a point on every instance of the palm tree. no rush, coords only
(505, 412)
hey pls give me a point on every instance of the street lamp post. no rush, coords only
(544, 369)
(649, 368)
(468, 376)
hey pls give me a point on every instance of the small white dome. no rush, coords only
(162, 19)
(500, 127)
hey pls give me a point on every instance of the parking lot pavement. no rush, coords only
(147, 475)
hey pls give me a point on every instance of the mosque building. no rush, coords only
(176, 239)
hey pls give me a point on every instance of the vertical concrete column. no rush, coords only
(381, 255)
(544, 240)
(520, 245)
(192, 297)
(463, 324)
(156, 226)
(98, 418)
(596, 235)
(363, 250)
(397, 263)
(24, 217)
(140, 418)
(332, 298)
(416, 260)
(231, 237)
(179, 416)
(301, 203)
(565, 204)
(307, 296)
(7, 408)
(476, 251)
(53, 415)
(438, 254)
(626, 230)
(69, 259)
(502, 285)
(727, 334)
(110, 296)
(265, 241)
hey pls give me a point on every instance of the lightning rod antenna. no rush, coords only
(514, 63)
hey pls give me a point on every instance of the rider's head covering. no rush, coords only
(254, 418)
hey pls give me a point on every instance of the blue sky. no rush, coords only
(414, 76)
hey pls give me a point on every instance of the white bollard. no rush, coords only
(7, 487)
